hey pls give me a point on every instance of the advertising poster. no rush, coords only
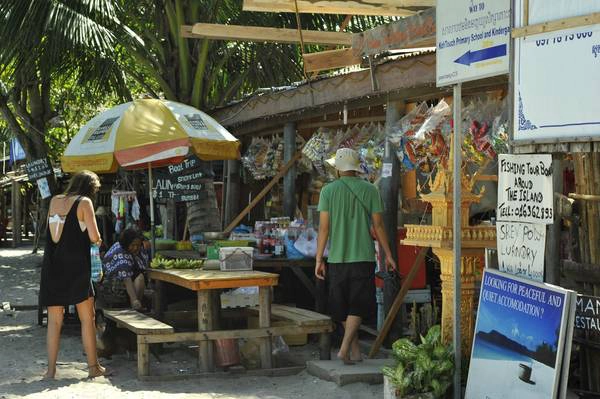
(521, 334)
(525, 192)
(521, 248)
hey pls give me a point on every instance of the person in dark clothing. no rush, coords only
(348, 206)
(66, 267)
(124, 266)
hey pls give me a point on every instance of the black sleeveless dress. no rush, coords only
(66, 269)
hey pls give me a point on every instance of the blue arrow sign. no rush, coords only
(489, 53)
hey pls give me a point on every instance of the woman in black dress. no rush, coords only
(66, 269)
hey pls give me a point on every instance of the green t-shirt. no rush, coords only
(349, 237)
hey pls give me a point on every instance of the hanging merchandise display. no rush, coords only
(422, 137)
(264, 157)
(125, 206)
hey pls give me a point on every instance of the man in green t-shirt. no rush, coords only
(348, 207)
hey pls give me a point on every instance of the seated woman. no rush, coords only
(124, 266)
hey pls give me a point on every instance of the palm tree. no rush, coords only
(207, 73)
(45, 41)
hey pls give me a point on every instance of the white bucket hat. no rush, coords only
(346, 159)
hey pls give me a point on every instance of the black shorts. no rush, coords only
(351, 290)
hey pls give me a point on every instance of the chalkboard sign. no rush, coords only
(38, 169)
(587, 315)
(168, 187)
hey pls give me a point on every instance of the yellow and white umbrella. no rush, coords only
(147, 133)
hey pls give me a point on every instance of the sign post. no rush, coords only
(472, 40)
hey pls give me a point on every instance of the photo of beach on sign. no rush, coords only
(518, 341)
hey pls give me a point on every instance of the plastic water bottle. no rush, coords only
(96, 263)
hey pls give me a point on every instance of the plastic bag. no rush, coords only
(290, 250)
(436, 116)
(278, 345)
(306, 244)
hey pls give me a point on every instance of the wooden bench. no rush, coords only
(305, 321)
(142, 325)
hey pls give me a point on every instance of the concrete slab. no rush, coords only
(367, 371)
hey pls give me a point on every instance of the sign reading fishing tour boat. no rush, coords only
(557, 74)
(522, 338)
(472, 39)
(525, 191)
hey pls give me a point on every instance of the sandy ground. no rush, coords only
(23, 359)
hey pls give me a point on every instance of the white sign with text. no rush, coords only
(525, 192)
(521, 248)
(562, 68)
(472, 39)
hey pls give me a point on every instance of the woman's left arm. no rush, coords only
(89, 218)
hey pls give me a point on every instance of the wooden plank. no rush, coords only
(410, 32)
(581, 272)
(199, 336)
(264, 34)
(205, 323)
(137, 322)
(584, 197)
(559, 24)
(302, 317)
(355, 7)
(264, 321)
(197, 279)
(330, 59)
(389, 319)
(263, 192)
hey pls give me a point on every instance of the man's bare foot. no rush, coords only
(97, 370)
(345, 359)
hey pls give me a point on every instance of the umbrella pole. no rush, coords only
(152, 235)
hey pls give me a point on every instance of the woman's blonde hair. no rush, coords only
(85, 183)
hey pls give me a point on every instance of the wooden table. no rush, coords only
(315, 287)
(205, 282)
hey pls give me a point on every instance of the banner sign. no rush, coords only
(38, 169)
(587, 316)
(522, 337)
(521, 248)
(561, 65)
(472, 39)
(525, 192)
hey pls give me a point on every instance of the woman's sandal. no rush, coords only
(96, 370)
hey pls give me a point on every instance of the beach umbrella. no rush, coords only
(147, 133)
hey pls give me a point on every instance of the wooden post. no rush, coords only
(289, 180)
(16, 214)
(389, 187)
(264, 321)
(143, 359)
(232, 193)
(552, 258)
(205, 323)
